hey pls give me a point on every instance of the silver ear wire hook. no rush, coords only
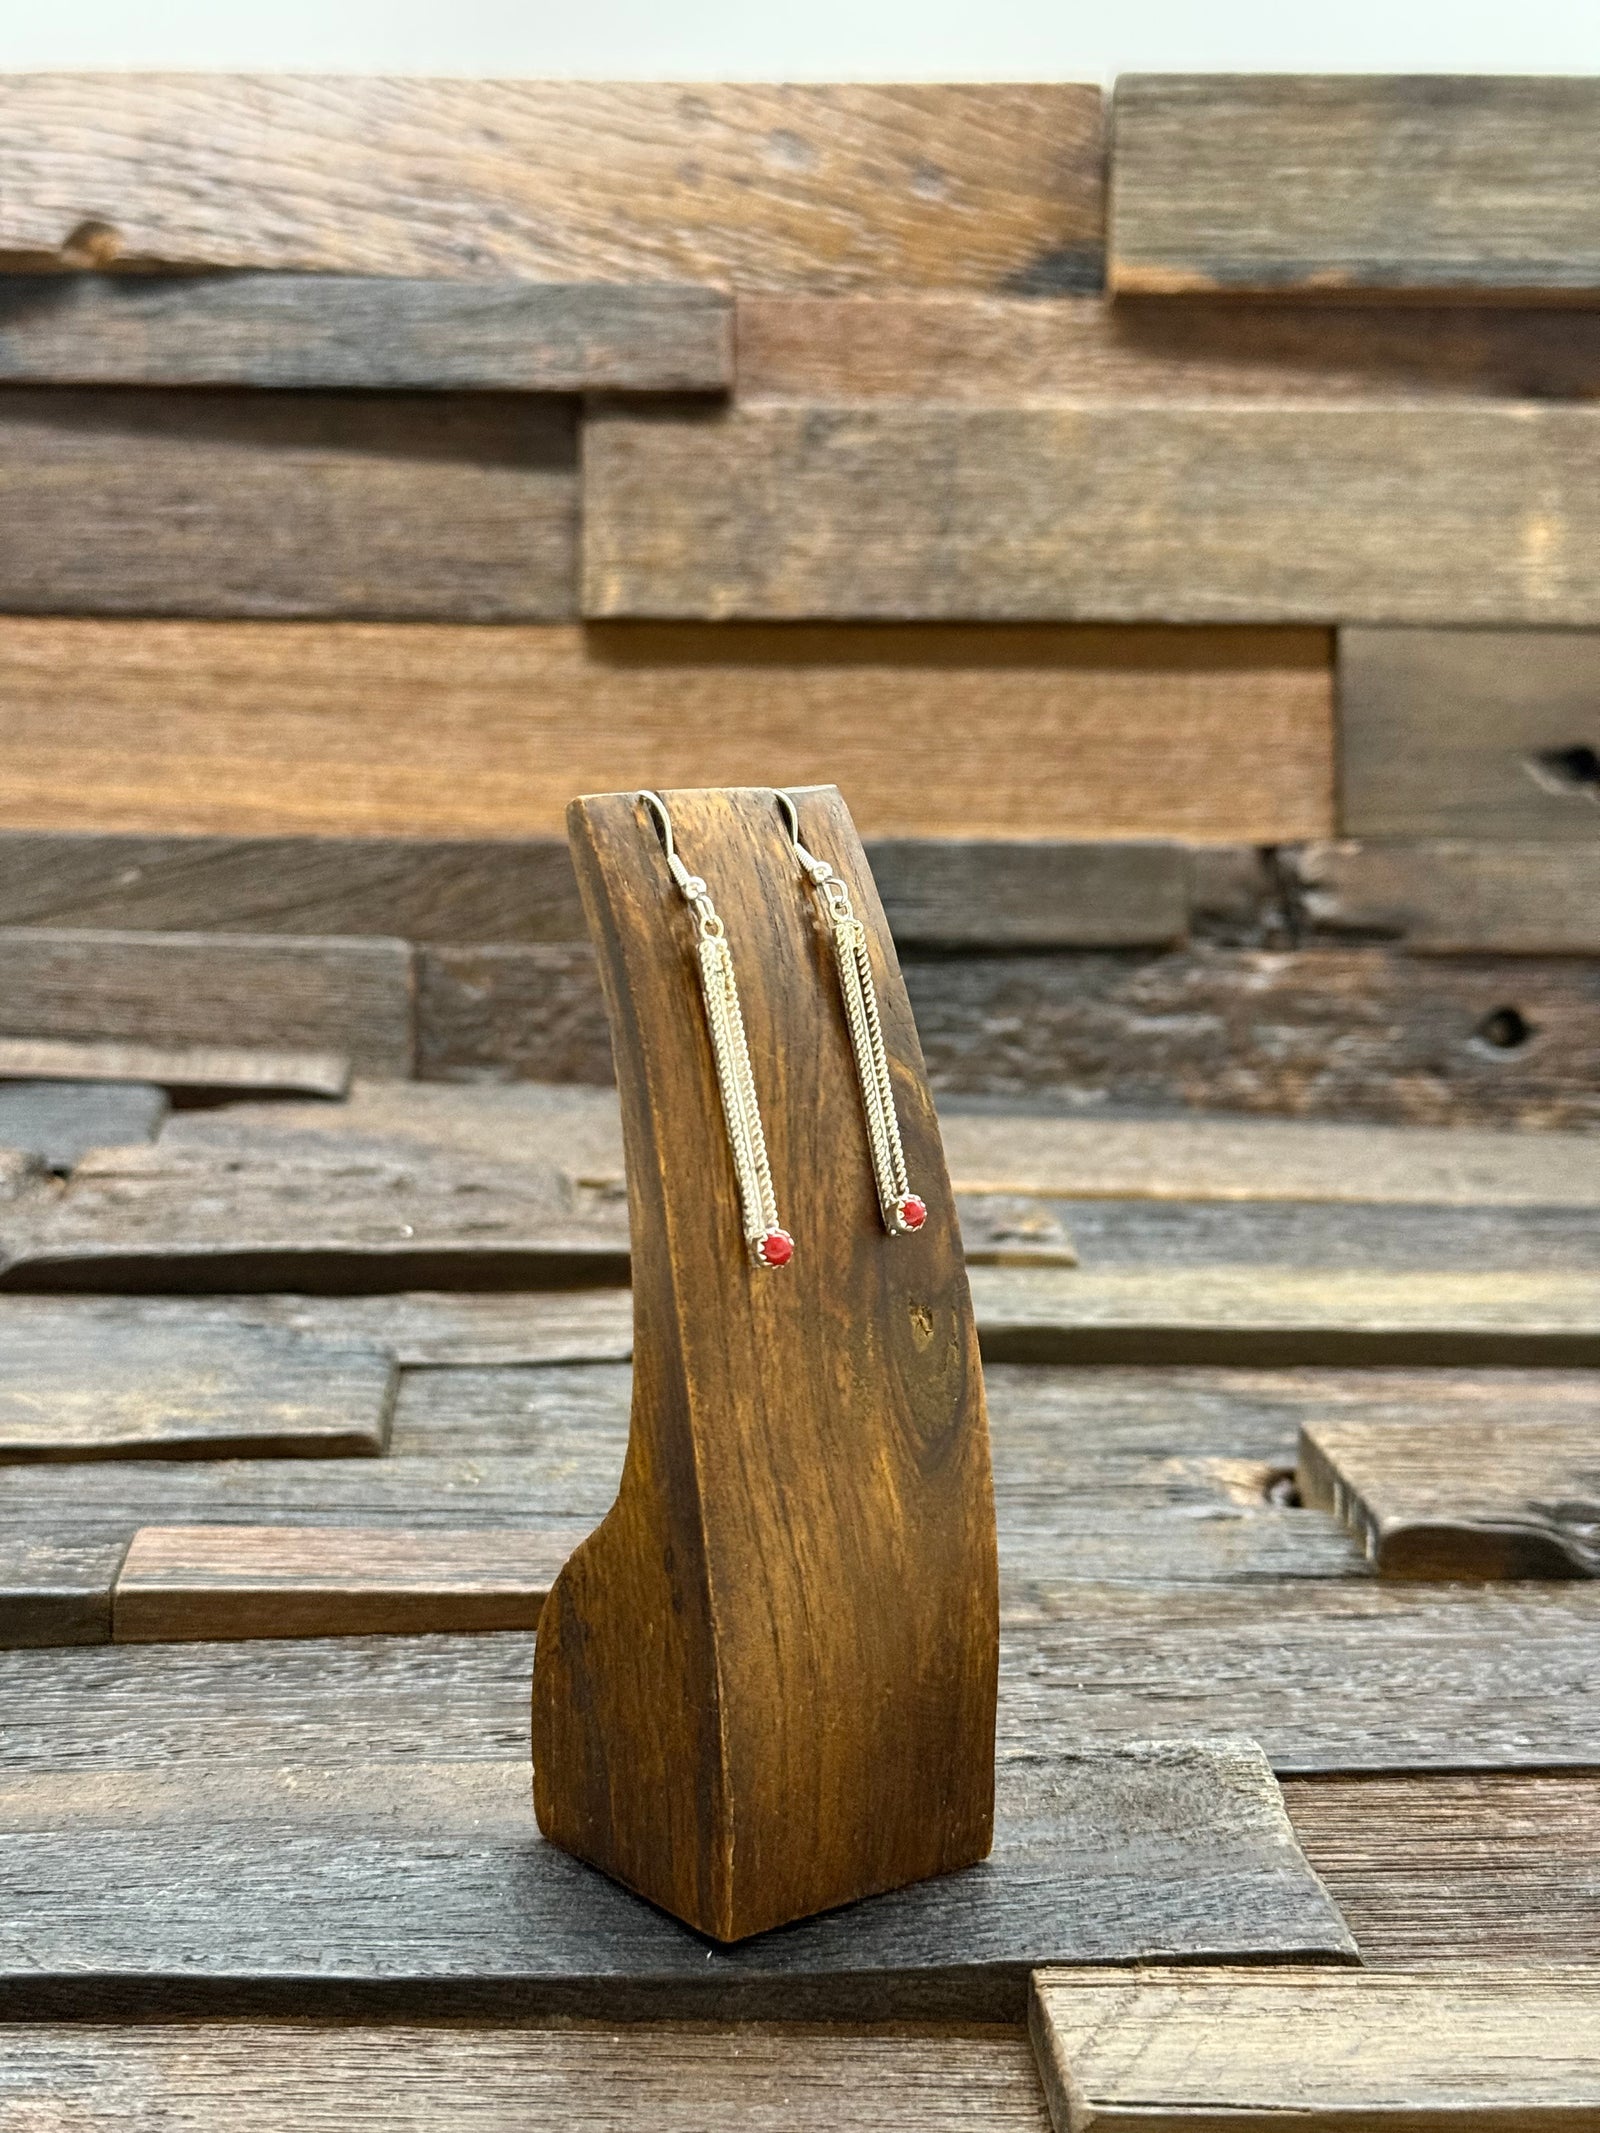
(818, 869)
(693, 889)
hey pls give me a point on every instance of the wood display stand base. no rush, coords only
(765, 1686)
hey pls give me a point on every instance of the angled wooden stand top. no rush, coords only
(765, 1685)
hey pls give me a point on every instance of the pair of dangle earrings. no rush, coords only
(769, 1242)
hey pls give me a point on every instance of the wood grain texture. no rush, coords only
(350, 996)
(222, 1582)
(511, 1013)
(334, 332)
(1468, 733)
(1343, 1033)
(1202, 2047)
(55, 1585)
(821, 187)
(208, 1068)
(452, 1906)
(416, 507)
(814, 1428)
(60, 1121)
(295, 2078)
(1452, 898)
(1306, 185)
(1115, 513)
(74, 1389)
(1502, 1499)
(1478, 1867)
(339, 728)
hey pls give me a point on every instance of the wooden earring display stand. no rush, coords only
(765, 1686)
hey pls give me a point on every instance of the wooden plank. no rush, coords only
(799, 186)
(227, 990)
(1345, 1033)
(335, 332)
(210, 1067)
(217, 1582)
(1195, 2048)
(75, 1390)
(1469, 733)
(1500, 1499)
(1028, 893)
(290, 2078)
(511, 1013)
(55, 1585)
(1111, 513)
(60, 1121)
(1136, 1853)
(1445, 898)
(1306, 185)
(1449, 1868)
(410, 506)
(339, 728)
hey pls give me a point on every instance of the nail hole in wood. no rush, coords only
(1283, 1489)
(1567, 770)
(1506, 1029)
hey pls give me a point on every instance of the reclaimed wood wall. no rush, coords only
(1171, 521)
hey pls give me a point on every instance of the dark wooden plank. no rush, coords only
(1481, 1868)
(339, 728)
(221, 1582)
(55, 1585)
(511, 1013)
(293, 2078)
(1470, 733)
(1504, 1498)
(1344, 1033)
(334, 332)
(1128, 1854)
(60, 1121)
(1447, 898)
(1031, 894)
(123, 502)
(204, 1068)
(1122, 512)
(1307, 185)
(352, 996)
(1195, 2048)
(76, 1388)
(763, 186)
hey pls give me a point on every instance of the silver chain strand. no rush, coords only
(730, 1051)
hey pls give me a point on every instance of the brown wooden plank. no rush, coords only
(75, 1388)
(1117, 513)
(1470, 733)
(581, 2078)
(511, 1013)
(1447, 898)
(1198, 2048)
(334, 332)
(60, 1121)
(237, 1069)
(340, 728)
(1344, 1033)
(55, 1585)
(1480, 1867)
(1031, 893)
(178, 989)
(1504, 1498)
(180, 1583)
(457, 507)
(1307, 185)
(800, 186)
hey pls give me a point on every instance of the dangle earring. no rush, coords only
(770, 1244)
(903, 1211)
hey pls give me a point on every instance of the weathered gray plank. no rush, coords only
(1129, 1854)
(60, 1121)
(1454, 733)
(1449, 898)
(459, 507)
(1194, 2048)
(818, 186)
(1346, 1032)
(511, 1013)
(340, 332)
(179, 989)
(74, 1388)
(55, 1584)
(1308, 184)
(1502, 1498)
(1111, 513)
(211, 1067)
(294, 2078)
(1031, 894)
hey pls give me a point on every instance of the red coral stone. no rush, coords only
(913, 1212)
(776, 1248)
